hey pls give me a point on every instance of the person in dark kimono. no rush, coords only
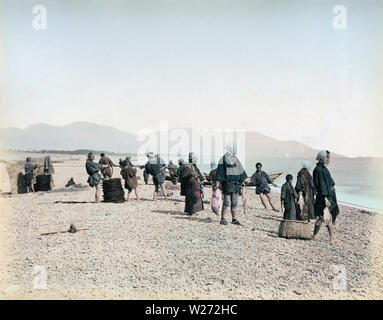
(107, 166)
(48, 169)
(93, 169)
(191, 178)
(128, 173)
(305, 188)
(180, 170)
(156, 168)
(326, 206)
(172, 172)
(230, 174)
(29, 168)
(288, 199)
(261, 180)
(126, 162)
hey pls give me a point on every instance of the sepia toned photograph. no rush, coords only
(167, 150)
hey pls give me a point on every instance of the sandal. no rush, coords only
(223, 222)
(236, 222)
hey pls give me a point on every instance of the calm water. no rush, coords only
(358, 181)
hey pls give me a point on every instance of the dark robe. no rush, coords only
(129, 175)
(191, 177)
(93, 168)
(179, 173)
(288, 198)
(325, 187)
(230, 182)
(305, 184)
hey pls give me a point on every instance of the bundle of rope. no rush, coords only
(43, 182)
(113, 191)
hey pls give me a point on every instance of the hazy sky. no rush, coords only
(277, 67)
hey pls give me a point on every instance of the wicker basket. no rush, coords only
(295, 229)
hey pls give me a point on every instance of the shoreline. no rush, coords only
(152, 250)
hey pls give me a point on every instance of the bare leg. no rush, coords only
(137, 196)
(155, 196)
(331, 232)
(263, 200)
(224, 213)
(317, 226)
(128, 198)
(272, 202)
(163, 188)
(97, 195)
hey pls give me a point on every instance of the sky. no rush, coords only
(277, 67)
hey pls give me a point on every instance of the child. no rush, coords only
(288, 199)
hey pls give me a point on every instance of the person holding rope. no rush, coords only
(230, 174)
(261, 180)
(107, 164)
(156, 168)
(93, 169)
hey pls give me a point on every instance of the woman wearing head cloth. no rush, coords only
(305, 188)
(325, 201)
(180, 170)
(231, 174)
(191, 179)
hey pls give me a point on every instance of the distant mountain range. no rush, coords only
(90, 136)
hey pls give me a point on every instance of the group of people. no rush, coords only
(30, 169)
(312, 197)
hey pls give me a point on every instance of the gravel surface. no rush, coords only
(152, 250)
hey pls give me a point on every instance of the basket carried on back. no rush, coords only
(295, 229)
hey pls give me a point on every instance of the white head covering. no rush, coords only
(321, 157)
(306, 164)
(193, 158)
(231, 148)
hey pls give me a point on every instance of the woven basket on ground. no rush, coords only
(113, 191)
(294, 229)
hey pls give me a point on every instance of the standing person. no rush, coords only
(126, 162)
(231, 174)
(146, 173)
(326, 206)
(93, 169)
(261, 180)
(131, 183)
(305, 188)
(288, 199)
(48, 168)
(172, 172)
(29, 168)
(180, 170)
(191, 178)
(156, 168)
(107, 165)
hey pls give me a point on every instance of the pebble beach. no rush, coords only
(153, 250)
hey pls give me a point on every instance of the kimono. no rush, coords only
(261, 182)
(231, 174)
(106, 171)
(325, 187)
(305, 184)
(48, 167)
(155, 167)
(129, 175)
(179, 173)
(191, 178)
(288, 198)
(92, 168)
(29, 174)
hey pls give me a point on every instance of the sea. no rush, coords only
(358, 180)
